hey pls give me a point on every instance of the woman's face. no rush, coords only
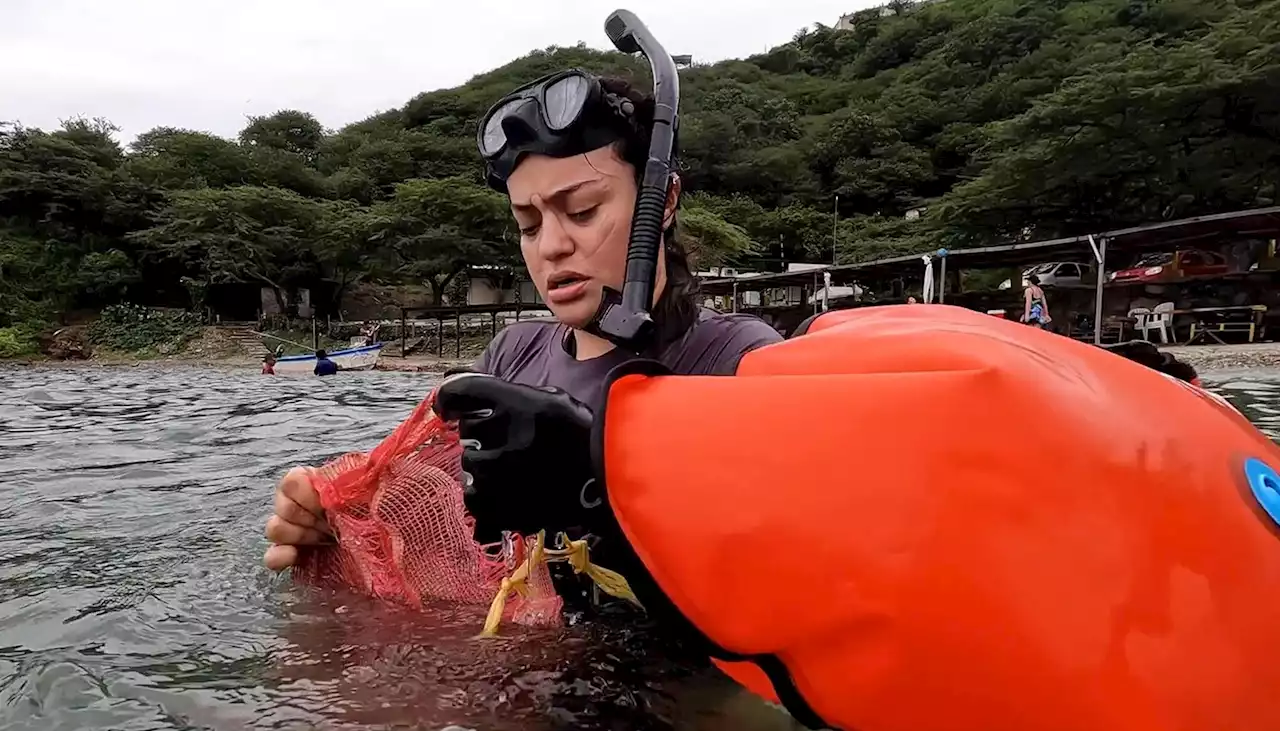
(574, 215)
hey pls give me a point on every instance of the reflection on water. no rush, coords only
(131, 595)
(1255, 392)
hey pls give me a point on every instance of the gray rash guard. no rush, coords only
(534, 353)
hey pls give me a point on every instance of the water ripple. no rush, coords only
(131, 594)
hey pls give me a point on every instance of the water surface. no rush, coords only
(132, 596)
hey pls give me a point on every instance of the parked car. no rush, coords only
(1060, 274)
(1173, 266)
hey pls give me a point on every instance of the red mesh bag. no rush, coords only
(404, 534)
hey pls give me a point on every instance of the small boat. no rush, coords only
(352, 359)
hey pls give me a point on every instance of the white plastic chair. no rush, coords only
(1140, 316)
(1161, 320)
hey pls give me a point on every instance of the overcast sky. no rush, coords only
(208, 64)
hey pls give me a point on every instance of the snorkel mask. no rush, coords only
(570, 113)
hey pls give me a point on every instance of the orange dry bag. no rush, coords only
(927, 519)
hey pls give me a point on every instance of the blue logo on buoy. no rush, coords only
(1264, 481)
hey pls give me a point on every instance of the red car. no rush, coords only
(1167, 267)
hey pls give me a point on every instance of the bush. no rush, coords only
(18, 342)
(137, 329)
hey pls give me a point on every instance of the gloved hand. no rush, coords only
(527, 454)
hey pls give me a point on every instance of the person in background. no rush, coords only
(269, 365)
(324, 366)
(1036, 307)
(911, 301)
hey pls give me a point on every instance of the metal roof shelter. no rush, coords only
(1173, 235)
(895, 266)
(1166, 235)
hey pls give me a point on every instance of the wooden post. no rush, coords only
(404, 333)
(315, 335)
(457, 333)
(439, 336)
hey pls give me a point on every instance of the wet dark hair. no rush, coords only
(321, 354)
(1179, 369)
(1034, 280)
(1146, 353)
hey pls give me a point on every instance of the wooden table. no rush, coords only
(1209, 321)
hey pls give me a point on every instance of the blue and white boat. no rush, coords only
(363, 358)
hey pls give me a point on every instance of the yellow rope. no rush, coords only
(573, 553)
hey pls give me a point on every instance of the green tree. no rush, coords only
(712, 241)
(288, 130)
(433, 230)
(173, 159)
(269, 236)
(1006, 118)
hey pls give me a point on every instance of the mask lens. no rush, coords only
(494, 137)
(564, 100)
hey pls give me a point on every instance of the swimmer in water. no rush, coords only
(572, 193)
(1146, 353)
(325, 366)
(569, 151)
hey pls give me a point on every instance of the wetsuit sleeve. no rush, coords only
(739, 337)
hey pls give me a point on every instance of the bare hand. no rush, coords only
(298, 520)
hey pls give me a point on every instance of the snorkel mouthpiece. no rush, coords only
(623, 318)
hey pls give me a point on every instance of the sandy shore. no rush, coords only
(421, 364)
(1207, 358)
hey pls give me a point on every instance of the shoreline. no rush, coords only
(412, 364)
(1204, 358)
(1217, 358)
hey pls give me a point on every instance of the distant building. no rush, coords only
(849, 21)
(488, 285)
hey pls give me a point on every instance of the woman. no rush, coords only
(573, 206)
(1035, 306)
(572, 196)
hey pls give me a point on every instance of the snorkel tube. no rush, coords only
(624, 318)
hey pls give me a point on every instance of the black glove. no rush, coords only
(527, 455)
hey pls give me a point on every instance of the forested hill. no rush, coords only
(1003, 118)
